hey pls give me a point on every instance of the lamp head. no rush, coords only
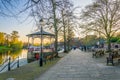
(41, 22)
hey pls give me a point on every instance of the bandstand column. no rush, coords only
(50, 42)
(32, 40)
(28, 42)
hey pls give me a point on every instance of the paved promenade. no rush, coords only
(78, 65)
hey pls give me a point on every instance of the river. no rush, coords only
(14, 56)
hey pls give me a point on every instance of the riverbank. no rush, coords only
(29, 71)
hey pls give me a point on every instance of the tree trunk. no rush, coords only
(64, 31)
(109, 44)
(64, 40)
(55, 26)
(68, 44)
(56, 42)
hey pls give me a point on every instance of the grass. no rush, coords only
(4, 48)
(29, 71)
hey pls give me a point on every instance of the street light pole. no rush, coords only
(41, 55)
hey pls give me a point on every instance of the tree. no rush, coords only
(91, 40)
(67, 18)
(64, 15)
(52, 8)
(70, 36)
(46, 9)
(14, 37)
(2, 38)
(7, 39)
(103, 16)
(15, 43)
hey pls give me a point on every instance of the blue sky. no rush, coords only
(7, 25)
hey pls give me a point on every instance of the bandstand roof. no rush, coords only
(39, 33)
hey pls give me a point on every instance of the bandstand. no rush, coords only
(35, 52)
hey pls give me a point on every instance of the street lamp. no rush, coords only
(41, 31)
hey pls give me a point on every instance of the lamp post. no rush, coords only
(41, 37)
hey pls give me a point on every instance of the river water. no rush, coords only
(14, 57)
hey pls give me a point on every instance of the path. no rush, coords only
(78, 65)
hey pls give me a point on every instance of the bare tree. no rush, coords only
(49, 10)
(102, 16)
(65, 7)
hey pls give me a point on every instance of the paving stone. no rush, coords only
(78, 65)
(10, 79)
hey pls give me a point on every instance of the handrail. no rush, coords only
(11, 64)
(4, 62)
(16, 61)
(3, 68)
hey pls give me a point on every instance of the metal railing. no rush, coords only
(4, 62)
(10, 64)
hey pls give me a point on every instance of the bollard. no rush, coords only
(18, 62)
(9, 63)
(41, 62)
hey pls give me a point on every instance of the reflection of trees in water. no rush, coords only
(3, 56)
(13, 54)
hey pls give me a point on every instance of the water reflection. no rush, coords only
(13, 54)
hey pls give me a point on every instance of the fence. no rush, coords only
(9, 65)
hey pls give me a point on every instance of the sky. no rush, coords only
(8, 24)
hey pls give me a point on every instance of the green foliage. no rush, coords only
(17, 45)
(118, 41)
(8, 41)
(4, 48)
(2, 39)
(114, 39)
(14, 37)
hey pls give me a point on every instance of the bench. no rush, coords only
(54, 55)
(113, 57)
(49, 57)
(98, 53)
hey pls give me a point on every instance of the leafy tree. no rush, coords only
(15, 43)
(2, 38)
(7, 39)
(14, 37)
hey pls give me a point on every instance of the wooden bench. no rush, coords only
(98, 53)
(113, 57)
(54, 55)
(49, 57)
